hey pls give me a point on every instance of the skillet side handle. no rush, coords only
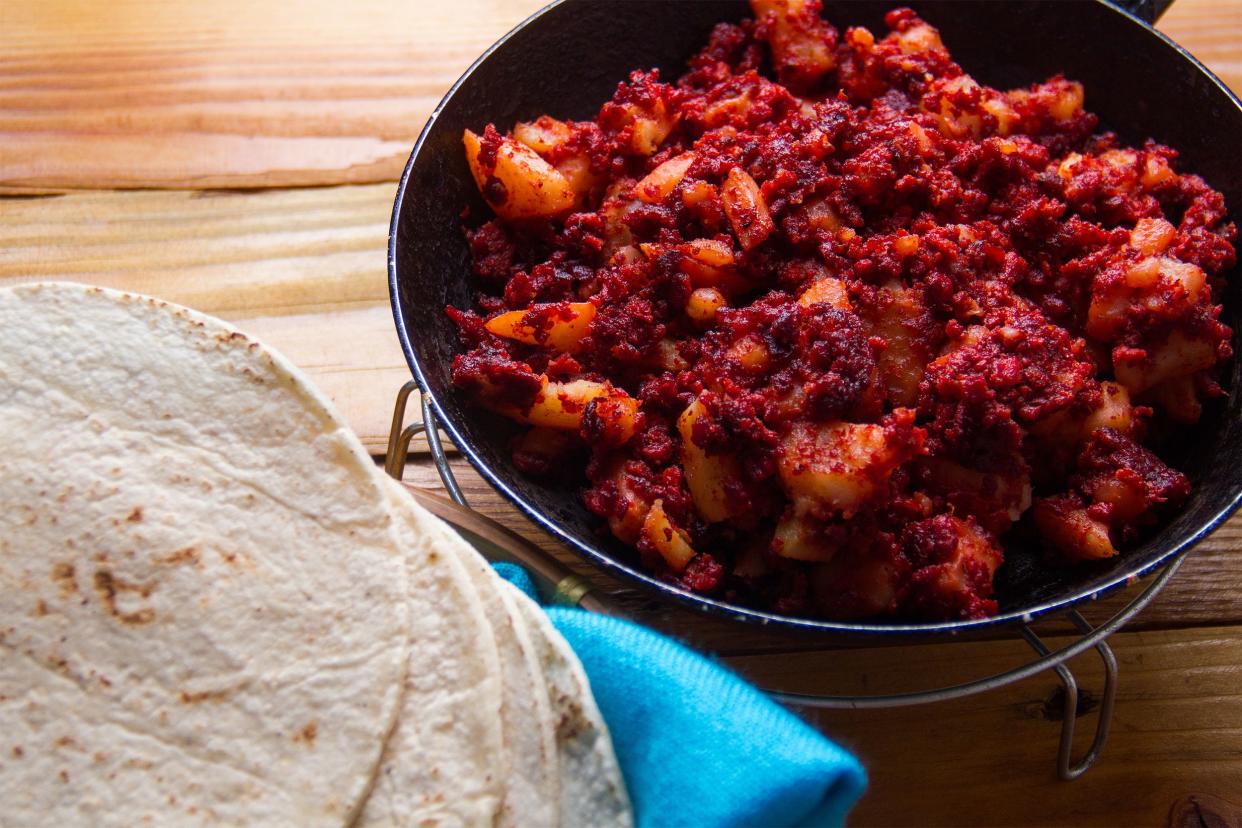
(1148, 11)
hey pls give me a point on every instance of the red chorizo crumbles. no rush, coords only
(826, 320)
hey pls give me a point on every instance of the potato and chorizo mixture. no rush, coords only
(826, 321)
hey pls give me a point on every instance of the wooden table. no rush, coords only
(239, 157)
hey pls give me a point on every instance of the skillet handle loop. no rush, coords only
(1067, 769)
(1148, 11)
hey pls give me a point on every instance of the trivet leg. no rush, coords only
(399, 438)
(1067, 769)
(438, 456)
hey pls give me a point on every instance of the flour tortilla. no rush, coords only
(593, 791)
(203, 614)
(445, 762)
(532, 785)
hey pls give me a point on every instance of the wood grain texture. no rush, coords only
(303, 270)
(230, 93)
(235, 93)
(1176, 739)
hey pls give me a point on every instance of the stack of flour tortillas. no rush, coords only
(216, 610)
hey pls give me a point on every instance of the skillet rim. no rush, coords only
(724, 609)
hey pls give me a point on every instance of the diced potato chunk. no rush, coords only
(628, 522)
(544, 134)
(520, 184)
(1152, 237)
(828, 290)
(617, 418)
(660, 182)
(559, 326)
(800, 45)
(707, 475)
(562, 404)
(1072, 531)
(901, 364)
(746, 209)
(710, 264)
(1178, 356)
(672, 543)
(1114, 411)
(798, 539)
(835, 466)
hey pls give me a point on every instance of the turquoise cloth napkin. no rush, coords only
(697, 744)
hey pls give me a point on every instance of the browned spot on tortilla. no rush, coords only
(108, 586)
(139, 764)
(64, 776)
(203, 696)
(18, 753)
(229, 558)
(40, 608)
(572, 724)
(188, 555)
(99, 757)
(66, 742)
(63, 574)
(307, 734)
(135, 516)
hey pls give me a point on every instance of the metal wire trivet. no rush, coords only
(567, 588)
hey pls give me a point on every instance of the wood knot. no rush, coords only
(1204, 811)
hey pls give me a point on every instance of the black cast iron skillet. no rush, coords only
(566, 60)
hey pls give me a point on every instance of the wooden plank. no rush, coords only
(235, 93)
(230, 93)
(1207, 590)
(1174, 756)
(303, 270)
(1211, 30)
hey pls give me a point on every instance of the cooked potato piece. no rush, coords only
(707, 475)
(1007, 495)
(710, 264)
(1160, 285)
(1178, 356)
(560, 326)
(614, 419)
(746, 209)
(672, 543)
(543, 134)
(835, 466)
(901, 363)
(1151, 237)
(632, 508)
(1115, 411)
(561, 404)
(1072, 530)
(801, 49)
(829, 290)
(520, 185)
(975, 557)
(1178, 398)
(661, 181)
(798, 539)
